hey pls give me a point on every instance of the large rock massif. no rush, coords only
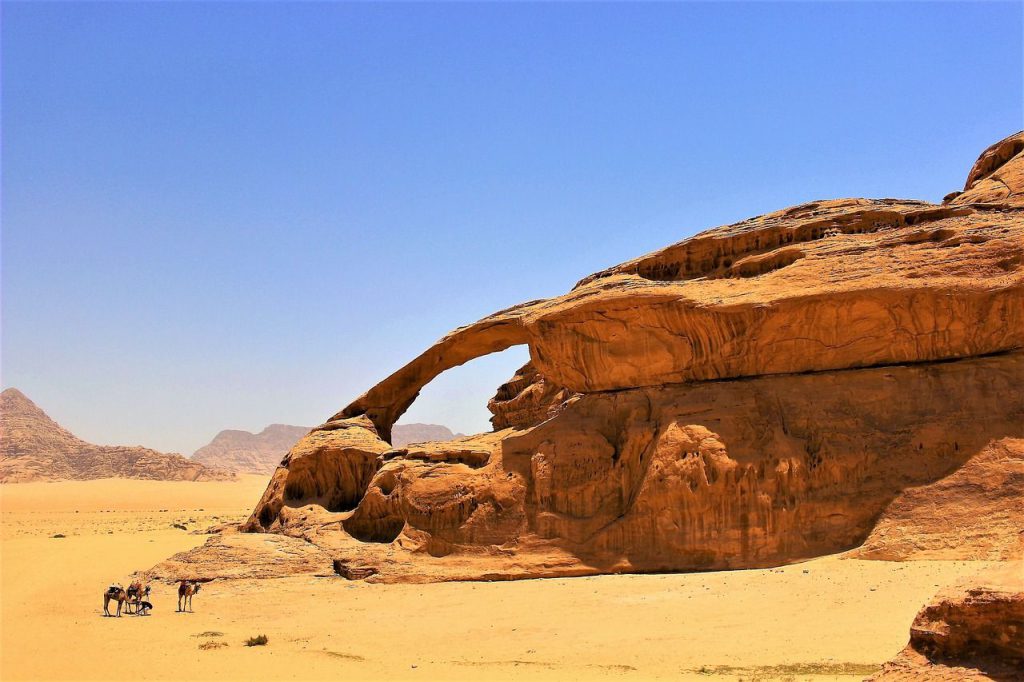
(261, 453)
(33, 447)
(789, 386)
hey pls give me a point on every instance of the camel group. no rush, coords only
(137, 597)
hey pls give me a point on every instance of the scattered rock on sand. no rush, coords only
(973, 630)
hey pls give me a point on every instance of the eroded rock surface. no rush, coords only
(757, 394)
(975, 513)
(526, 399)
(971, 631)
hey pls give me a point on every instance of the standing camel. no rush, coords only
(185, 591)
(117, 594)
(136, 594)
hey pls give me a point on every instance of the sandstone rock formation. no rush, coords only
(971, 631)
(757, 394)
(261, 453)
(33, 447)
(975, 513)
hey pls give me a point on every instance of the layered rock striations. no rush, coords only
(33, 447)
(757, 394)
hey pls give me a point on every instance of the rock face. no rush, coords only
(33, 447)
(757, 394)
(526, 399)
(971, 631)
(976, 513)
(261, 453)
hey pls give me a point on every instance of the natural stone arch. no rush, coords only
(388, 400)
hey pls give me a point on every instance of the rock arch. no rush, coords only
(387, 401)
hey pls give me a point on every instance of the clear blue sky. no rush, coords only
(227, 215)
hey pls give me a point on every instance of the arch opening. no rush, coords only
(456, 400)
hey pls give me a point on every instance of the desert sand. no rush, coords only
(830, 618)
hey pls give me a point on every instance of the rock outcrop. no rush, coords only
(261, 453)
(526, 399)
(973, 630)
(33, 447)
(757, 394)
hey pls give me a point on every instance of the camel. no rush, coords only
(117, 594)
(136, 594)
(186, 589)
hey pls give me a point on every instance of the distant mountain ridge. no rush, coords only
(403, 434)
(260, 453)
(33, 447)
(256, 453)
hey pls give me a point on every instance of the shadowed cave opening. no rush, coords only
(383, 530)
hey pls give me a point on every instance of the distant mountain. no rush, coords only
(260, 453)
(257, 453)
(33, 447)
(403, 434)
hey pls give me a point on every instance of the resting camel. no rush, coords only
(186, 589)
(119, 595)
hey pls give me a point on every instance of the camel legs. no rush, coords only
(106, 604)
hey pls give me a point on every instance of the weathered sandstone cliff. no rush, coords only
(757, 394)
(33, 447)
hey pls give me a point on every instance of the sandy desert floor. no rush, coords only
(831, 618)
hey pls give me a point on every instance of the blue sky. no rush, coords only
(226, 215)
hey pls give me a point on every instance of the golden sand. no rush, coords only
(831, 618)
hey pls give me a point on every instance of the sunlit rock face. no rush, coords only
(973, 630)
(757, 394)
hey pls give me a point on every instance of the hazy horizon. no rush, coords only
(231, 215)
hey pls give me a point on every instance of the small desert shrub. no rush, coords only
(60, 535)
(206, 646)
(259, 640)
